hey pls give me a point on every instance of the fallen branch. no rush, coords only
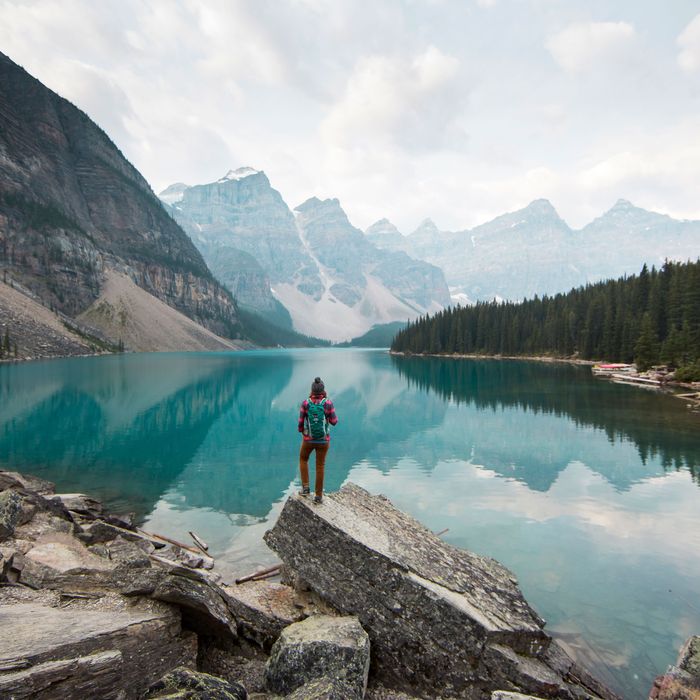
(200, 542)
(442, 532)
(258, 574)
(269, 574)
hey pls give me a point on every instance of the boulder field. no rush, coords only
(372, 605)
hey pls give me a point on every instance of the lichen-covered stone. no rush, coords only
(10, 511)
(689, 658)
(185, 684)
(321, 646)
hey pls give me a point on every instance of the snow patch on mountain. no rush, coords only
(238, 174)
(460, 299)
(338, 322)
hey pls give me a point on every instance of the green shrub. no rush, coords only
(689, 373)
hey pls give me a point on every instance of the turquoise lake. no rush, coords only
(587, 490)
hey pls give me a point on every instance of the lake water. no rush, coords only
(587, 490)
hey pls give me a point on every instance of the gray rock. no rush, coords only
(57, 653)
(442, 620)
(10, 512)
(27, 481)
(60, 561)
(185, 684)
(689, 658)
(101, 531)
(241, 663)
(319, 647)
(8, 480)
(263, 609)
(323, 689)
(80, 503)
(507, 695)
(202, 604)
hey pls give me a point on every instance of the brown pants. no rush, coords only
(304, 453)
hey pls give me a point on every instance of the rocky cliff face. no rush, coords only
(533, 251)
(315, 268)
(72, 207)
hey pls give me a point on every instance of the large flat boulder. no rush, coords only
(442, 620)
(56, 652)
(60, 561)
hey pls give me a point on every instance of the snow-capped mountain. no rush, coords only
(313, 271)
(533, 250)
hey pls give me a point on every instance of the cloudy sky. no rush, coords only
(456, 110)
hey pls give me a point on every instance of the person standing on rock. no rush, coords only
(315, 415)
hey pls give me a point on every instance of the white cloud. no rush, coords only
(689, 41)
(584, 45)
(400, 109)
(413, 102)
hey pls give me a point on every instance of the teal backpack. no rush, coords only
(316, 420)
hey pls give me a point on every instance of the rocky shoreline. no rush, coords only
(372, 605)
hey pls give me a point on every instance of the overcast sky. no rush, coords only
(458, 110)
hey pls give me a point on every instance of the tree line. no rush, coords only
(649, 318)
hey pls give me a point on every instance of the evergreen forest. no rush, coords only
(650, 318)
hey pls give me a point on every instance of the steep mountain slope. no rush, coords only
(315, 268)
(73, 208)
(35, 330)
(533, 251)
(144, 323)
(248, 236)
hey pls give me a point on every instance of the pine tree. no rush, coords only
(646, 350)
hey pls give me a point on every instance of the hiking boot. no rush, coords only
(318, 499)
(305, 491)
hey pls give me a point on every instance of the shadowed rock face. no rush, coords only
(71, 206)
(441, 619)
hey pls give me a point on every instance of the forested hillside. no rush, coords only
(648, 318)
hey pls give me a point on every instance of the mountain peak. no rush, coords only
(624, 208)
(426, 226)
(383, 227)
(623, 204)
(238, 174)
(542, 207)
(173, 193)
(316, 203)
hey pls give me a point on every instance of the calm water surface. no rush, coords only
(588, 491)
